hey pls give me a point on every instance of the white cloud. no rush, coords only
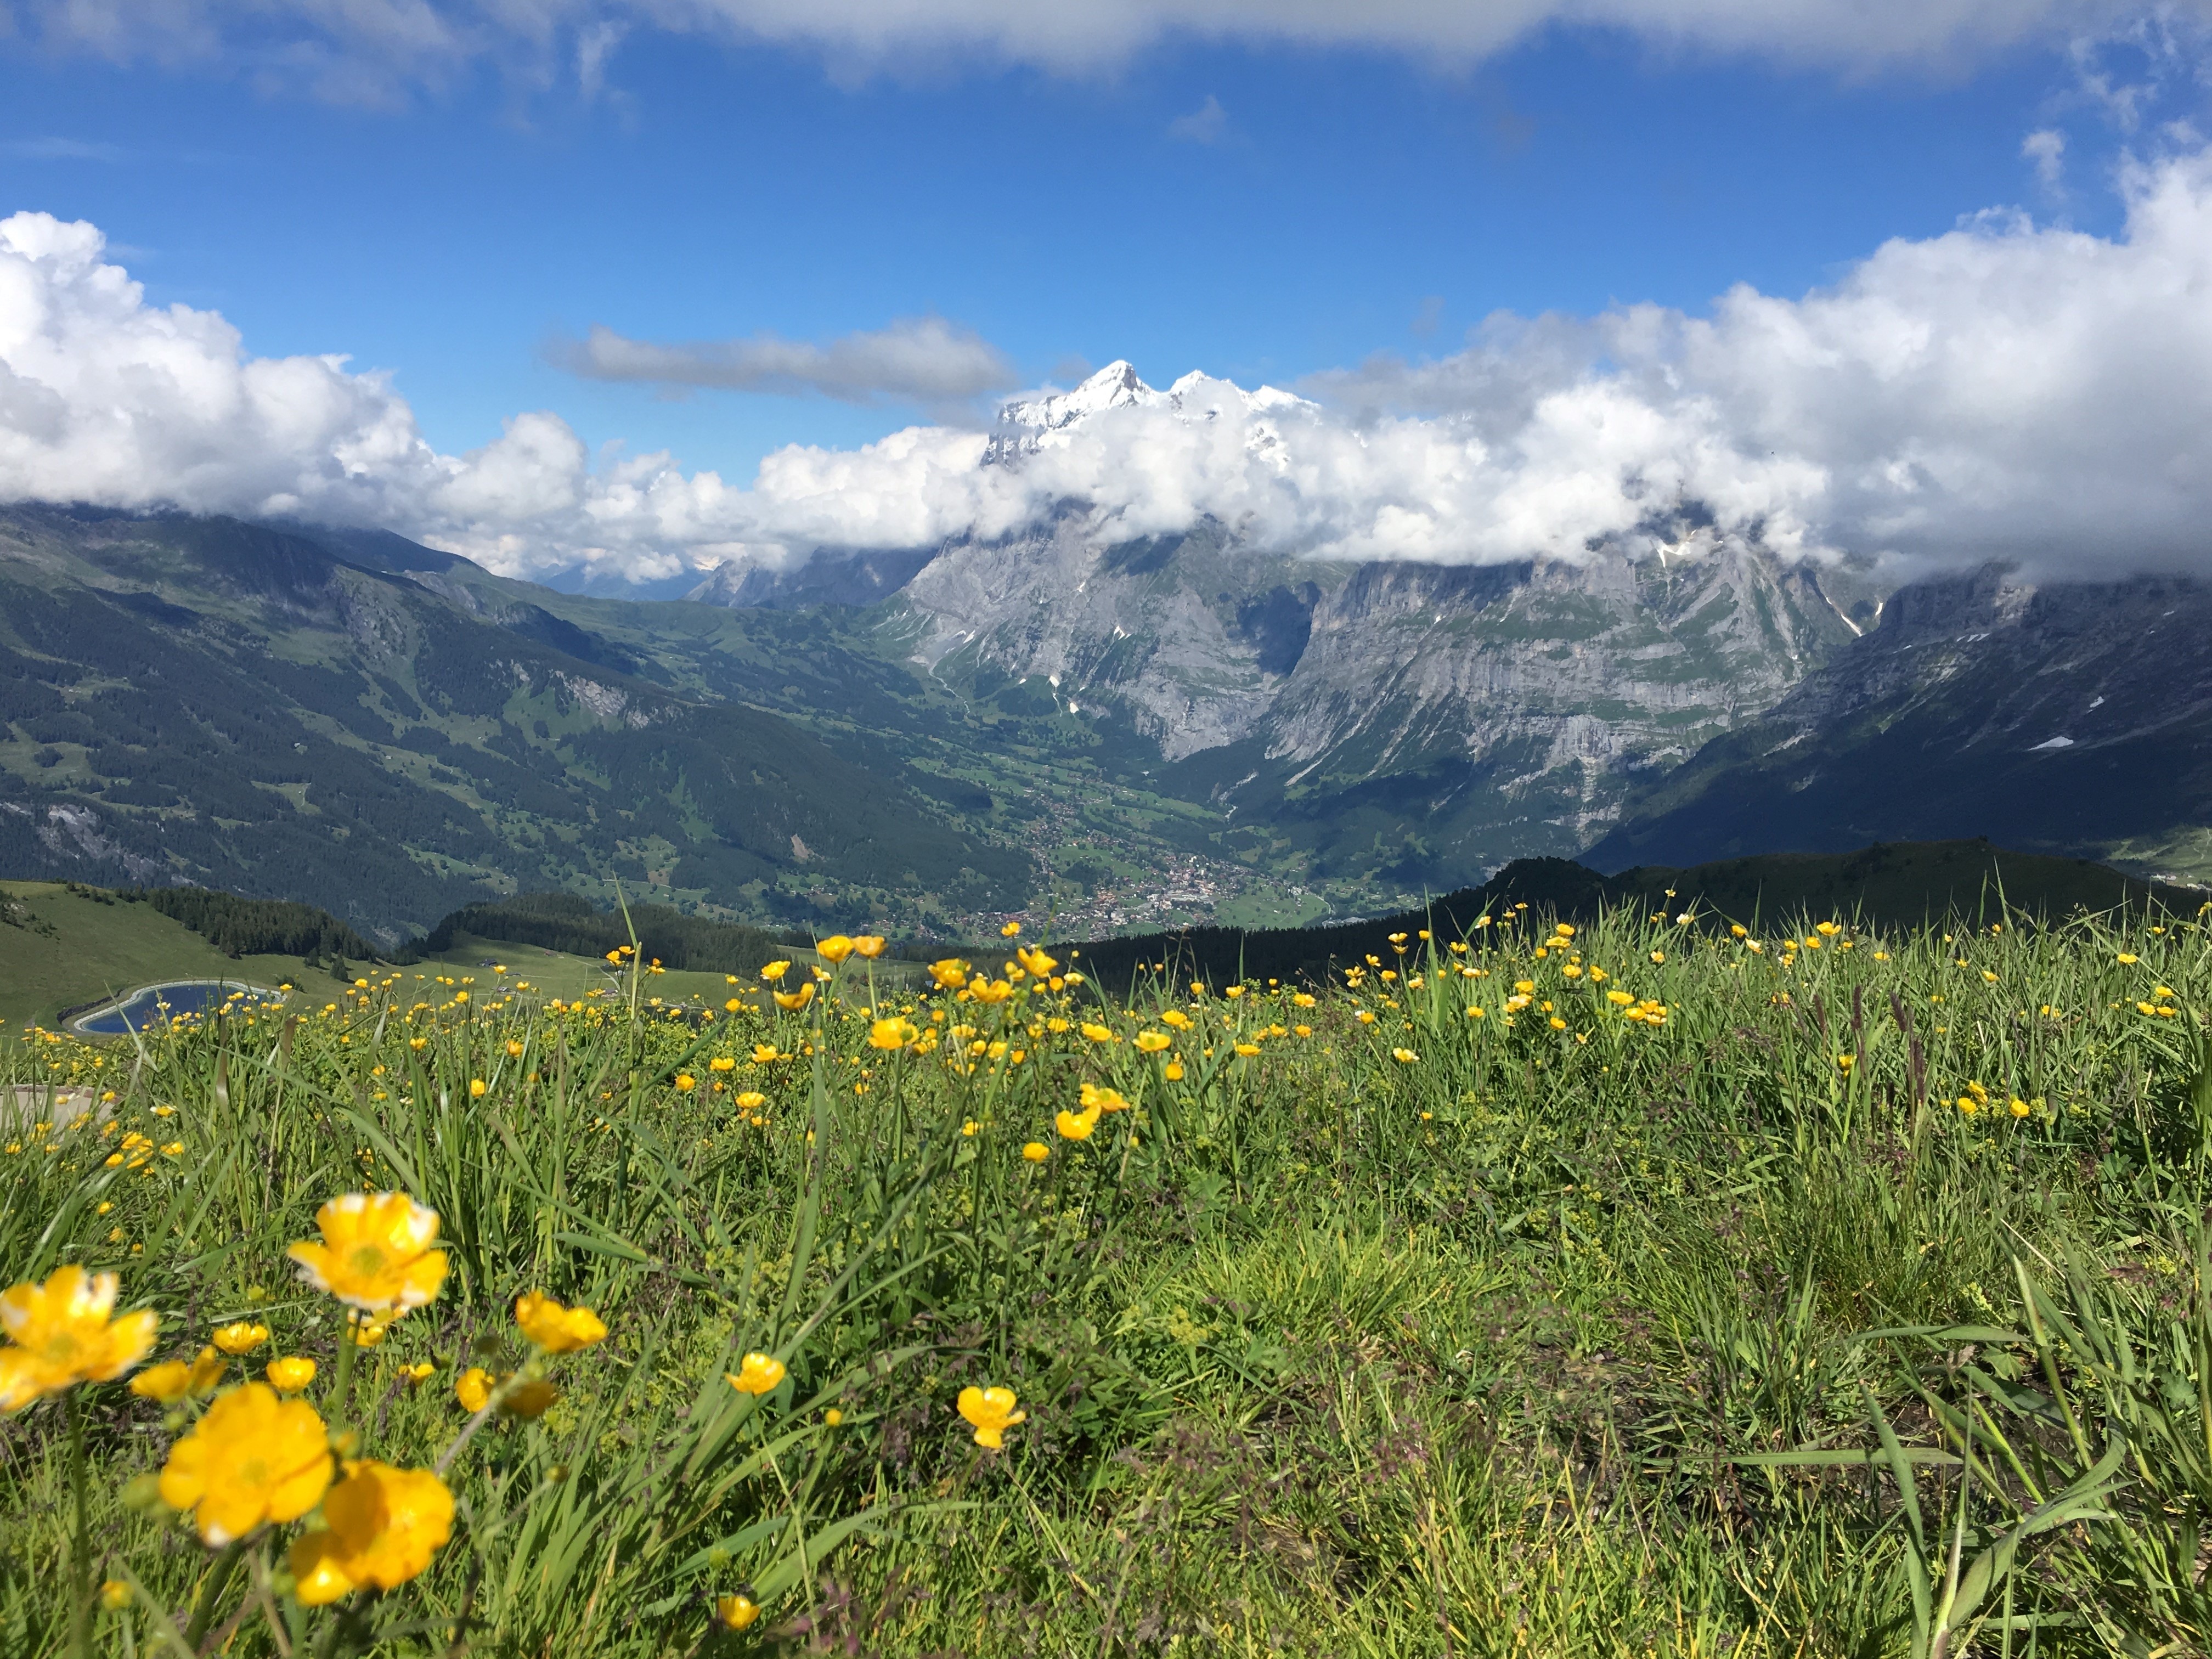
(920, 359)
(363, 50)
(2047, 150)
(2005, 389)
(1203, 125)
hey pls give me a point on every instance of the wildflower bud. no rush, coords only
(143, 1492)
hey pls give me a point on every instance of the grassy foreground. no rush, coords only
(1831, 1293)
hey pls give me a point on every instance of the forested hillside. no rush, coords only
(209, 702)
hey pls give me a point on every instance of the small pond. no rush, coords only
(156, 1003)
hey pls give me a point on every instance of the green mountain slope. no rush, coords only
(205, 701)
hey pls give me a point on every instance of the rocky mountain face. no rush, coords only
(2072, 717)
(1506, 709)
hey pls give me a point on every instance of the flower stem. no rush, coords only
(81, 1541)
(341, 1402)
(218, 1580)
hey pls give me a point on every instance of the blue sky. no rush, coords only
(1911, 279)
(711, 190)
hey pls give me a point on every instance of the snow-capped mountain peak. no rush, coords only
(1029, 424)
(1114, 386)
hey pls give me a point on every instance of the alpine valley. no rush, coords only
(1124, 731)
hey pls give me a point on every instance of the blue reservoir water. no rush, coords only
(157, 1003)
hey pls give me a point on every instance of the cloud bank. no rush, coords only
(366, 50)
(2006, 389)
(916, 360)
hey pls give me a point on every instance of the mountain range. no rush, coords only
(1122, 730)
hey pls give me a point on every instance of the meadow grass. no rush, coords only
(1821, 1292)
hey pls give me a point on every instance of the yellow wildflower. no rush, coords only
(736, 1612)
(376, 1254)
(240, 1337)
(870, 946)
(473, 1388)
(991, 1412)
(794, 1001)
(253, 1458)
(382, 1525)
(892, 1034)
(64, 1333)
(757, 1374)
(554, 1328)
(1036, 1151)
(290, 1375)
(835, 949)
(165, 1384)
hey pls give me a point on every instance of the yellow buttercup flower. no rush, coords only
(1009, 930)
(990, 991)
(532, 1397)
(835, 949)
(685, 1082)
(870, 946)
(1104, 1100)
(1095, 1033)
(1033, 958)
(1036, 1151)
(1151, 1042)
(479, 1088)
(473, 1388)
(240, 1337)
(421, 1371)
(950, 973)
(757, 1374)
(165, 1384)
(253, 1458)
(891, 1033)
(64, 1333)
(775, 970)
(382, 1525)
(1077, 1126)
(554, 1328)
(290, 1375)
(376, 1254)
(737, 1612)
(763, 1053)
(794, 1001)
(115, 1596)
(752, 1100)
(207, 1371)
(991, 1412)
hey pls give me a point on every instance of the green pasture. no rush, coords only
(1820, 1292)
(61, 949)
